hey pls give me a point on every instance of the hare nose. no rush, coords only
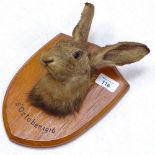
(46, 62)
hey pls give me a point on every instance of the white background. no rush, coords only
(129, 129)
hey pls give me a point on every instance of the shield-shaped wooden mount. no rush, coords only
(32, 126)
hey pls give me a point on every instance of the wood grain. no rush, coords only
(32, 126)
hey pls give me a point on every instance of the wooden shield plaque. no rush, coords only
(32, 126)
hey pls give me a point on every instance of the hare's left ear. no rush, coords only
(118, 54)
(81, 30)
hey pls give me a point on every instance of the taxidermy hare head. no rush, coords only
(71, 68)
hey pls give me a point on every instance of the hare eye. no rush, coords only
(77, 54)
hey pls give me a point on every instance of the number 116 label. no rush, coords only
(106, 82)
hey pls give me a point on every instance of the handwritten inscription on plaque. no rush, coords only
(31, 120)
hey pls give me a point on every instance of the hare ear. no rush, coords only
(118, 54)
(81, 30)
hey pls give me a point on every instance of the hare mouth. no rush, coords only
(50, 69)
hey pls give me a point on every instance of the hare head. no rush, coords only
(66, 60)
(71, 67)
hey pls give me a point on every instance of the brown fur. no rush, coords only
(64, 87)
(71, 69)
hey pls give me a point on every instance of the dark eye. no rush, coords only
(77, 54)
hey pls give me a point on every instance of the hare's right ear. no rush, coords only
(81, 30)
(118, 54)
